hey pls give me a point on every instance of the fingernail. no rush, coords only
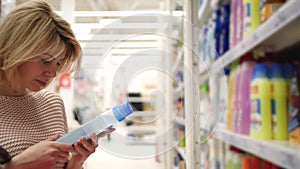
(82, 138)
(57, 133)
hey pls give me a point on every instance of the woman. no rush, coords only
(35, 45)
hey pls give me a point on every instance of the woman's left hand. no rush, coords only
(85, 148)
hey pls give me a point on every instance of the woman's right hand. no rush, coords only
(47, 154)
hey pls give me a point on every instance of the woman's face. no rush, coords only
(38, 72)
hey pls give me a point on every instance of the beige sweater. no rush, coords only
(29, 119)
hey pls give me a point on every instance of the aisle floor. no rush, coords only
(116, 154)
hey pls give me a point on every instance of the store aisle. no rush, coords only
(122, 155)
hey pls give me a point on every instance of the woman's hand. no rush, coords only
(47, 154)
(85, 148)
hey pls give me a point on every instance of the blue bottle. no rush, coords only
(97, 125)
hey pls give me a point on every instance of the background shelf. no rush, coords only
(282, 153)
(276, 34)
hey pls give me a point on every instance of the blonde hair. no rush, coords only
(31, 28)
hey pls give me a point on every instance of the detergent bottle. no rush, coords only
(260, 94)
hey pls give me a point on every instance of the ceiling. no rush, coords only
(116, 29)
(109, 5)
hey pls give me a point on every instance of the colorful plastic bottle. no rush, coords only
(246, 162)
(98, 124)
(279, 102)
(237, 101)
(224, 36)
(260, 94)
(240, 20)
(255, 163)
(233, 23)
(247, 67)
(251, 16)
(266, 164)
(230, 106)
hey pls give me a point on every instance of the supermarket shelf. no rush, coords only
(143, 114)
(141, 135)
(281, 153)
(141, 129)
(137, 141)
(279, 32)
(138, 99)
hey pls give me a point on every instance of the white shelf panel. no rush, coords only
(143, 114)
(141, 129)
(279, 32)
(138, 99)
(281, 153)
(140, 141)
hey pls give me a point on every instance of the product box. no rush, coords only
(294, 108)
(294, 129)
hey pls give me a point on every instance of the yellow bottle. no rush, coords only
(251, 16)
(260, 95)
(230, 105)
(279, 103)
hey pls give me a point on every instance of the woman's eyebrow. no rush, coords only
(52, 57)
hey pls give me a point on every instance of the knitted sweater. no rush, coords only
(29, 119)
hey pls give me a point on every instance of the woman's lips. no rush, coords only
(41, 83)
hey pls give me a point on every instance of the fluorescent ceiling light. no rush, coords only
(121, 51)
(88, 45)
(117, 25)
(123, 13)
(120, 13)
(117, 37)
(104, 22)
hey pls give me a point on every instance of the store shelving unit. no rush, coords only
(279, 32)
(282, 153)
(184, 121)
(178, 93)
(139, 133)
(270, 36)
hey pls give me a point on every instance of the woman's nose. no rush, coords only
(50, 73)
(51, 70)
